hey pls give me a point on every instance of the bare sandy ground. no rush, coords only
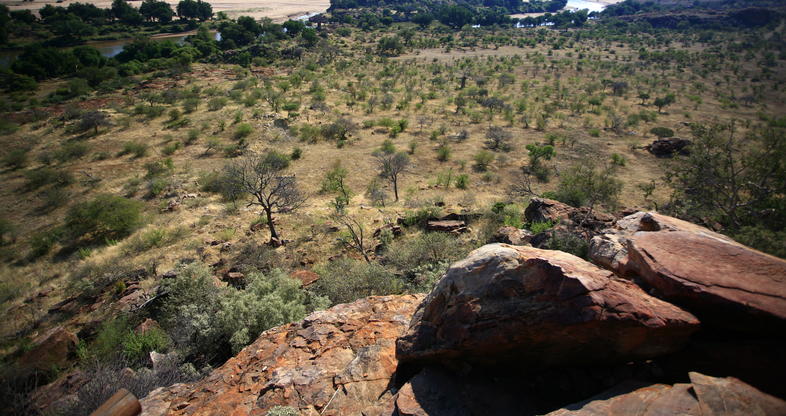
(280, 10)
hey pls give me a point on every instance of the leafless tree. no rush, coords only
(262, 176)
(391, 167)
(497, 139)
(523, 187)
(355, 237)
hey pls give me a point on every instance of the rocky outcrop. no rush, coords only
(721, 281)
(512, 235)
(539, 308)
(50, 351)
(306, 277)
(521, 330)
(582, 222)
(447, 226)
(339, 361)
(703, 396)
(544, 210)
(668, 147)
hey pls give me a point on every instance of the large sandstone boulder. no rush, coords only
(723, 282)
(335, 362)
(538, 308)
(703, 396)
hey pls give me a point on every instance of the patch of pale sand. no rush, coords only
(278, 10)
(443, 55)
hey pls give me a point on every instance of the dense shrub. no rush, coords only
(345, 280)
(215, 323)
(104, 217)
(46, 176)
(16, 158)
(585, 185)
(424, 249)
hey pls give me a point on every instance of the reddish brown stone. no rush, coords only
(539, 308)
(723, 282)
(306, 277)
(545, 210)
(344, 357)
(50, 350)
(703, 396)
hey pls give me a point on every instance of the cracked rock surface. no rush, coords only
(339, 361)
(543, 308)
(702, 396)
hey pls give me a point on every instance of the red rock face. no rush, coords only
(541, 308)
(335, 362)
(716, 279)
(703, 396)
(306, 277)
(724, 283)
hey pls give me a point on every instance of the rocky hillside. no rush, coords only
(681, 320)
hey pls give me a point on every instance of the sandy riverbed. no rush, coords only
(278, 10)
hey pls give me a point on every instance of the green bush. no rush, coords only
(567, 242)
(137, 346)
(42, 242)
(483, 160)
(539, 227)
(104, 217)
(242, 131)
(170, 149)
(216, 103)
(46, 176)
(109, 338)
(387, 146)
(71, 151)
(462, 181)
(662, 132)
(16, 158)
(345, 280)
(217, 322)
(585, 185)
(134, 148)
(425, 249)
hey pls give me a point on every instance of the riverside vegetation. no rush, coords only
(196, 184)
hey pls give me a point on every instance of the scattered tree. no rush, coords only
(262, 176)
(391, 167)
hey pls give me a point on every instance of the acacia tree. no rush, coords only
(262, 177)
(735, 181)
(93, 120)
(391, 167)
